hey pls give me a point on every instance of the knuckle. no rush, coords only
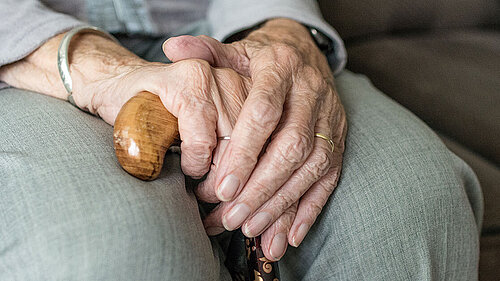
(328, 186)
(194, 68)
(294, 149)
(205, 37)
(191, 168)
(291, 212)
(314, 209)
(244, 156)
(194, 82)
(285, 200)
(321, 163)
(199, 150)
(314, 79)
(287, 53)
(265, 114)
(264, 192)
(199, 65)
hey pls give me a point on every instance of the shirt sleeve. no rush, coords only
(227, 17)
(27, 24)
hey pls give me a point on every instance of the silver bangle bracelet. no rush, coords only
(62, 55)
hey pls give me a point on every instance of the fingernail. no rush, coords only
(300, 234)
(228, 188)
(214, 230)
(236, 216)
(257, 224)
(278, 246)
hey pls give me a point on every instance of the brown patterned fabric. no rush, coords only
(354, 18)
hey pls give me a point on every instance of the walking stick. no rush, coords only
(144, 130)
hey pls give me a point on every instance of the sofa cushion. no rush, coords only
(489, 261)
(450, 79)
(354, 18)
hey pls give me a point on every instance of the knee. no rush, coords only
(400, 210)
(151, 242)
(135, 235)
(69, 219)
(403, 207)
(394, 160)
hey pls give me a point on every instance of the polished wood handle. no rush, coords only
(144, 130)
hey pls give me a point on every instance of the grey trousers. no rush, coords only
(406, 208)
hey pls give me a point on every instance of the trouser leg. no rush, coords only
(69, 212)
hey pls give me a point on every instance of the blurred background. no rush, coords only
(441, 60)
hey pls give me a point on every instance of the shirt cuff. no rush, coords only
(227, 17)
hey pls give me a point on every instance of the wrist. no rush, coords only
(296, 35)
(286, 31)
(95, 62)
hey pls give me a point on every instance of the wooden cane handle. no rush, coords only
(144, 130)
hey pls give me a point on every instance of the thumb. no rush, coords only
(208, 49)
(188, 47)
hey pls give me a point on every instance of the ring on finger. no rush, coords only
(329, 140)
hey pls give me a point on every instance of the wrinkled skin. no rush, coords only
(205, 100)
(291, 98)
(270, 92)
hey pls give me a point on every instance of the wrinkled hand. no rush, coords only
(205, 100)
(281, 193)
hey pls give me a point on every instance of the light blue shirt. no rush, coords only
(27, 24)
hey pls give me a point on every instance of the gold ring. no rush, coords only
(329, 140)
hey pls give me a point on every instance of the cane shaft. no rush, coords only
(259, 267)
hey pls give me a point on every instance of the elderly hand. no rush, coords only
(205, 100)
(292, 97)
(105, 75)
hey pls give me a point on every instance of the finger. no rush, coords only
(232, 90)
(317, 165)
(205, 191)
(197, 115)
(309, 208)
(187, 47)
(257, 120)
(213, 222)
(271, 73)
(208, 49)
(271, 207)
(316, 197)
(198, 140)
(290, 146)
(274, 240)
(312, 203)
